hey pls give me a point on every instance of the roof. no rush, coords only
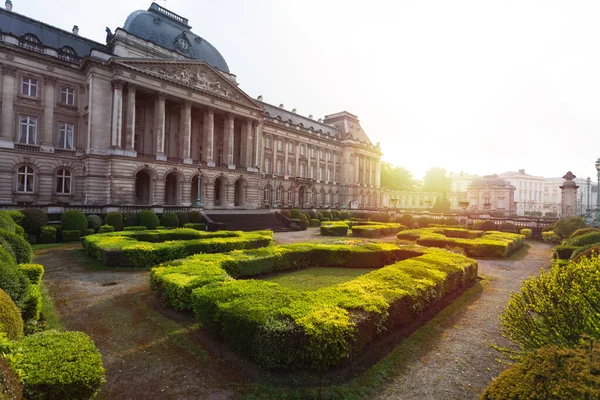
(172, 32)
(297, 119)
(49, 36)
(489, 180)
(349, 125)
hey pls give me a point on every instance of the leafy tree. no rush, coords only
(436, 180)
(395, 178)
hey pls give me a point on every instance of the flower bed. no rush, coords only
(151, 247)
(281, 328)
(477, 244)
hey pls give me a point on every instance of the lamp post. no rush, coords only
(198, 199)
(589, 193)
(597, 216)
(274, 191)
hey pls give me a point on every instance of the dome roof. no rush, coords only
(172, 31)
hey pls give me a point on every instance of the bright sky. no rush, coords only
(476, 86)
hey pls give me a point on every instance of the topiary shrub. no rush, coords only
(423, 222)
(148, 219)
(114, 219)
(295, 213)
(584, 240)
(307, 216)
(566, 226)
(20, 231)
(17, 216)
(550, 373)
(198, 227)
(21, 248)
(170, 220)
(315, 222)
(106, 229)
(528, 233)
(94, 222)
(33, 220)
(380, 217)
(488, 226)
(196, 217)
(6, 222)
(320, 216)
(87, 232)
(184, 218)
(74, 220)
(130, 219)
(61, 365)
(327, 214)
(11, 322)
(563, 252)
(33, 272)
(135, 228)
(580, 232)
(508, 227)
(71, 236)
(47, 235)
(287, 213)
(312, 215)
(59, 230)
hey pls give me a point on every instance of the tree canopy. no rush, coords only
(396, 178)
(436, 180)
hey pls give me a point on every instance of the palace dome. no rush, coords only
(172, 31)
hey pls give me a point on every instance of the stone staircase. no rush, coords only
(249, 221)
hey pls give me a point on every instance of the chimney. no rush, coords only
(310, 116)
(8, 5)
(294, 110)
(260, 98)
(282, 106)
(521, 172)
(320, 119)
(75, 30)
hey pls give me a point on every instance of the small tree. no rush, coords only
(566, 226)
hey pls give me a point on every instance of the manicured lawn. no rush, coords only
(317, 278)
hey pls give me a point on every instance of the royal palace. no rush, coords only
(135, 121)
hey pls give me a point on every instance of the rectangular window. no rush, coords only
(328, 174)
(290, 169)
(279, 167)
(279, 145)
(220, 156)
(329, 156)
(302, 170)
(290, 147)
(320, 173)
(67, 96)
(268, 142)
(312, 172)
(63, 182)
(65, 135)
(320, 154)
(25, 179)
(267, 165)
(302, 150)
(29, 87)
(312, 152)
(28, 130)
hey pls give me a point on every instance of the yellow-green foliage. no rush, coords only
(551, 237)
(284, 328)
(11, 322)
(376, 229)
(555, 308)
(334, 228)
(528, 233)
(148, 248)
(551, 373)
(475, 243)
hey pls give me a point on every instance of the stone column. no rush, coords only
(159, 127)
(186, 130)
(364, 170)
(286, 153)
(47, 139)
(229, 140)
(117, 114)
(258, 153)
(327, 166)
(378, 174)
(356, 170)
(334, 169)
(130, 122)
(209, 137)
(7, 132)
(249, 148)
(297, 167)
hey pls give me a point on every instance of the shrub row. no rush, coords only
(475, 243)
(375, 230)
(147, 248)
(281, 328)
(334, 228)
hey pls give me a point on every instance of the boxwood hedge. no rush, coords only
(334, 228)
(376, 229)
(151, 247)
(477, 244)
(282, 328)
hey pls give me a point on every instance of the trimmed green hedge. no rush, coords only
(34, 272)
(12, 280)
(195, 225)
(375, 229)
(475, 243)
(11, 322)
(135, 228)
(60, 365)
(564, 252)
(584, 240)
(74, 220)
(170, 220)
(281, 328)
(528, 233)
(21, 248)
(114, 219)
(315, 222)
(583, 231)
(33, 220)
(148, 248)
(334, 229)
(106, 229)
(148, 219)
(71, 236)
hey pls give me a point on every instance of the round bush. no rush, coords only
(130, 219)
(20, 246)
(74, 220)
(114, 219)
(295, 213)
(11, 322)
(33, 220)
(320, 216)
(170, 220)
(5, 244)
(20, 231)
(106, 228)
(94, 222)
(508, 227)
(61, 365)
(148, 219)
(196, 217)
(184, 218)
(6, 221)
(12, 280)
(488, 226)
(17, 216)
(550, 373)
(47, 235)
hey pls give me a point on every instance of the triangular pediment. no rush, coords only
(194, 74)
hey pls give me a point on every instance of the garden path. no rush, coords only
(454, 362)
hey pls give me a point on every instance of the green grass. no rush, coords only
(317, 278)
(49, 314)
(49, 245)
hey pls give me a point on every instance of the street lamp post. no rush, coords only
(597, 216)
(274, 191)
(589, 193)
(198, 199)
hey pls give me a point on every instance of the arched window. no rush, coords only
(30, 37)
(323, 199)
(279, 197)
(68, 50)
(25, 179)
(63, 181)
(268, 193)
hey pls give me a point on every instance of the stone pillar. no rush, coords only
(259, 153)
(569, 196)
(378, 174)
(47, 139)
(7, 132)
(286, 153)
(356, 170)
(159, 127)
(229, 140)
(186, 130)
(209, 137)
(117, 114)
(130, 122)
(249, 134)
(327, 165)
(297, 166)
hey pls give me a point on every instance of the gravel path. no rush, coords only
(456, 362)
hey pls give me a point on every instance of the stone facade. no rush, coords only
(491, 193)
(569, 196)
(133, 122)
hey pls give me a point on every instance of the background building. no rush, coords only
(491, 193)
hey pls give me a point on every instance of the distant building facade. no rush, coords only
(134, 122)
(529, 191)
(491, 193)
